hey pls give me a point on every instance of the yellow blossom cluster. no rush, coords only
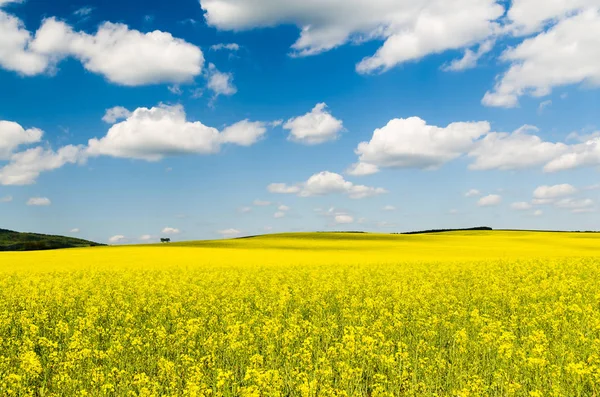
(454, 314)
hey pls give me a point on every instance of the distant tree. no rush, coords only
(165, 240)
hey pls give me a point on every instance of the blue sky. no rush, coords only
(125, 123)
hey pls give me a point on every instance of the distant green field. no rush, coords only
(15, 241)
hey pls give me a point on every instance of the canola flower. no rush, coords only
(453, 314)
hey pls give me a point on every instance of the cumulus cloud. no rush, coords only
(170, 230)
(39, 201)
(283, 208)
(6, 199)
(12, 135)
(470, 58)
(24, 167)
(575, 205)
(530, 16)
(552, 192)
(543, 105)
(229, 232)
(75, 230)
(472, 193)
(245, 210)
(490, 200)
(83, 11)
(315, 127)
(343, 219)
(389, 208)
(412, 143)
(224, 46)
(508, 151)
(5, 2)
(261, 203)
(119, 238)
(244, 133)
(115, 114)
(325, 183)
(146, 237)
(151, 134)
(15, 52)
(520, 206)
(362, 169)
(220, 83)
(279, 214)
(538, 213)
(410, 30)
(578, 155)
(567, 53)
(282, 188)
(123, 56)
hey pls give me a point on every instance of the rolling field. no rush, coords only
(322, 314)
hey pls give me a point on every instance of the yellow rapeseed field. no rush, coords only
(450, 314)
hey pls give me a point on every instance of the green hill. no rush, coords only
(15, 241)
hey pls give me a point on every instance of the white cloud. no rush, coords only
(389, 208)
(543, 105)
(520, 206)
(146, 237)
(261, 203)
(343, 219)
(6, 199)
(170, 230)
(578, 155)
(472, 193)
(575, 205)
(530, 16)
(223, 46)
(325, 183)
(245, 210)
(282, 188)
(175, 89)
(244, 133)
(4, 2)
(538, 213)
(283, 208)
(115, 114)
(15, 52)
(151, 134)
(279, 214)
(315, 127)
(12, 135)
(83, 11)
(568, 53)
(75, 230)
(410, 30)
(220, 83)
(412, 143)
(470, 58)
(537, 201)
(490, 200)
(119, 238)
(25, 167)
(229, 232)
(504, 151)
(122, 55)
(552, 192)
(361, 169)
(39, 201)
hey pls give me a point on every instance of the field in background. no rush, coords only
(321, 314)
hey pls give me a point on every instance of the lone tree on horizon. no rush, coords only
(165, 240)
